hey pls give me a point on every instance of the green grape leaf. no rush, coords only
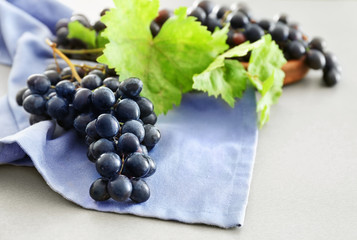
(101, 40)
(265, 65)
(78, 31)
(166, 64)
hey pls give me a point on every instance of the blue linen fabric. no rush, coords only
(204, 159)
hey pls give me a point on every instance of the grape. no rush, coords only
(238, 20)
(331, 61)
(98, 73)
(107, 126)
(144, 150)
(99, 26)
(61, 35)
(62, 23)
(66, 89)
(38, 83)
(145, 105)
(81, 121)
(207, 6)
(254, 32)
(81, 19)
(104, 11)
(332, 77)
(152, 165)
(101, 146)
(103, 98)
(35, 104)
(280, 32)
(53, 66)
(91, 81)
(131, 87)
(128, 143)
(212, 23)
(198, 13)
(120, 188)
(243, 8)
(98, 190)
(88, 140)
(57, 107)
(219, 11)
(108, 164)
(164, 14)
(150, 119)
(53, 76)
(68, 121)
(296, 50)
(315, 59)
(38, 118)
(294, 34)
(266, 25)
(91, 130)
(82, 100)
(19, 96)
(136, 165)
(112, 83)
(127, 109)
(140, 192)
(318, 44)
(66, 73)
(152, 135)
(283, 18)
(154, 28)
(134, 127)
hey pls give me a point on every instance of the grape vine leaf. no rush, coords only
(166, 64)
(77, 30)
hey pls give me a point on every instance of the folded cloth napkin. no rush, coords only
(204, 159)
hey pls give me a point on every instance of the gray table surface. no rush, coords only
(304, 184)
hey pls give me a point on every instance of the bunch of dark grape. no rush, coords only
(63, 42)
(115, 122)
(243, 27)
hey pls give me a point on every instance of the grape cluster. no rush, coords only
(243, 27)
(64, 42)
(116, 123)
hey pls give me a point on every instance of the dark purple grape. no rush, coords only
(140, 192)
(332, 77)
(61, 35)
(19, 96)
(152, 165)
(38, 118)
(66, 89)
(68, 121)
(254, 32)
(91, 81)
(38, 83)
(198, 13)
(212, 23)
(99, 26)
(35, 104)
(112, 83)
(53, 66)
(296, 50)
(127, 109)
(98, 73)
(101, 146)
(164, 15)
(63, 22)
(331, 61)
(238, 20)
(81, 121)
(120, 188)
(135, 127)
(150, 119)
(154, 28)
(315, 59)
(82, 100)
(145, 105)
(136, 165)
(128, 143)
(98, 190)
(207, 6)
(152, 135)
(107, 126)
(280, 33)
(57, 107)
(318, 44)
(283, 18)
(267, 25)
(91, 130)
(103, 98)
(220, 11)
(53, 76)
(131, 87)
(108, 164)
(294, 34)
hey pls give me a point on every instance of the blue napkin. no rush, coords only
(204, 159)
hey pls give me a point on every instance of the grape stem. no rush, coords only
(81, 51)
(65, 58)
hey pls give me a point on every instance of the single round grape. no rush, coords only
(63, 22)
(57, 107)
(38, 83)
(19, 95)
(35, 104)
(332, 77)
(107, 126)
(318, 44)
(38, 118)
(331, 61)
(91, 130)
(112, 83)
(81, 121)
(91, 81)
(145, 105)
(66, 89)
(254, 32)
(163, 16)
(66, 73)
(103, 98)
(101, 146)
(198, 13)
(68, 121)
(315, 59)
(120, 188)
(54, 67)
(267, 25)
(127, 109)
(61, 35)
(212, 23)
(108, 164)
(88, 140)
(53, 76)
(25, 95)
(135, 127)
(152, 135)
(283, 18)
(140, 192)
(220, 11)
(128, 143)
(150, 119)
(294, 34)
(152, 165)
(136, 165)
(99, 26)
(98, 190)
(238, 20)
(131, 87)
(296, 49)
(144, 150)
(280, 33)
(98, 73)
(50, 93)
(82, 100)
(154, 28)
(207, 6)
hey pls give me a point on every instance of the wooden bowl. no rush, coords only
(295, 70)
